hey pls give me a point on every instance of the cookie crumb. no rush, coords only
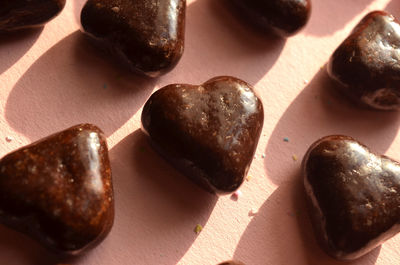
(295, 158)
(9, 139)
(248, 178)
(252, 212)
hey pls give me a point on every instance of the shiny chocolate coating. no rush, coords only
(367, 63)
(231, 262)
(145, 35)
(209, 132)
(353, 196)
(283, 17)
(21, 14)
(59, 190)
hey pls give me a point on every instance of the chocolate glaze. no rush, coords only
(367, 63)
(59, 190)
(146, 35)
(353, 196)
(209, 132)
(284, 17)
(21, 14)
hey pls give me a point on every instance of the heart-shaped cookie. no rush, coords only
(146, 35)
(20, 14)
(209, 132)
(59, 190)
(353, 196)
(283, 17)
(367, 63)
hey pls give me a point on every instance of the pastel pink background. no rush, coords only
(52, 78)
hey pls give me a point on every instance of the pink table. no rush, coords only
(52, 79)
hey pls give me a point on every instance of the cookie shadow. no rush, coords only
(157, 209)
(18, 249)
(394, 8)
(19, 42)
(280, 233)
(217, 44)
(325, 20)
(72, 84)
(77, 9)
(319, 111)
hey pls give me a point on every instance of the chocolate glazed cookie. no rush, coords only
(353, 196)
(21, 14)
(209, 132)
(59, 190)
(367, 64)
(145, 35)
(283, 17)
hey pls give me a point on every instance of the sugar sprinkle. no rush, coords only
(236, 195)
(198, 229)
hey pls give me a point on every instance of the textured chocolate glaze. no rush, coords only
(284, 17)
(353, 196)
(231, 262)
(209, 132)
(59, 190)
(20, 14)
(367, 63)
(146, 35)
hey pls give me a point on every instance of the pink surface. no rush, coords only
(52, 79)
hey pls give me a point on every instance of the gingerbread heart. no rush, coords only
(59, 190)
(283, 17)
(353, 196)
(146, 35)
(367, 63)
(20, 14)
(209, 132)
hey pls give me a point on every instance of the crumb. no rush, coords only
(9, 139)
(248, 178)
(295, 158)
(263, 156)
(252, 212)
(198, 229)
